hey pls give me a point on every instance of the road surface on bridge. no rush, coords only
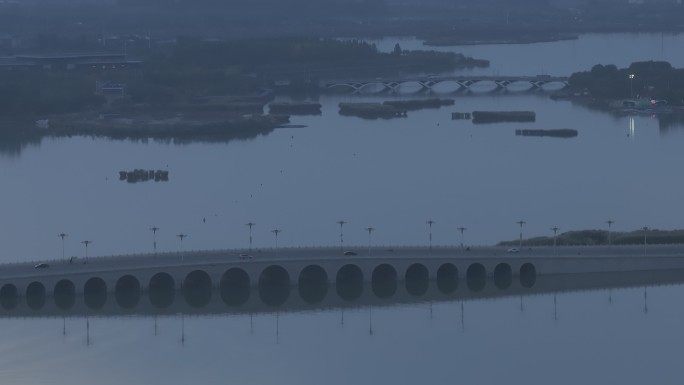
(232, 257)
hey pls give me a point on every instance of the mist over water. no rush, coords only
(559, 58)
(393, 175)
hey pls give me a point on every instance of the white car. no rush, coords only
(513, 250)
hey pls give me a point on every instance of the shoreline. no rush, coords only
(457, 41)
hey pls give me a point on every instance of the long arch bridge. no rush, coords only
(464, 83)
(382, 273)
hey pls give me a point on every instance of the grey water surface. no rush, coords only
(393, 175)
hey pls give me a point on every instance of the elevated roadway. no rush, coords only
(294, 279)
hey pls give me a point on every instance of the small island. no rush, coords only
(502, 116)
(556, 133)
(371, 110)
(649, 87)
(141, 175)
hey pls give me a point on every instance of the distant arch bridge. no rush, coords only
(464, 83)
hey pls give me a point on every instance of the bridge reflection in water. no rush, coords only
(234, 295)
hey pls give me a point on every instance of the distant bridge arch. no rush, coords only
(464, 83)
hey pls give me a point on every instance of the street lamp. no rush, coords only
(430, 222)
(250, 224)
(521, 223)
(631, 89)
(62, 235)
(610, 223)
(154, 230)
(182, 236)
(645, 229)
(341, 223)
(462, 229)
(370, 231)
(555, 232)
(276, 232)
(86, 243)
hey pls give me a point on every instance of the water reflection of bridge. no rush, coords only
(326, 297)
(316, 277)
(463, 83)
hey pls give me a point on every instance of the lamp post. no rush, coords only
(276, 232)
(250, 224)
(86, 243)
(370, 231)
(645, 229)
(521, 223)
(430, 222)
(555, 232)
(631, 89)
(462, 229)
(62, 235)
(610, 223)
(154, 230)
(341, 223)
(182, 236)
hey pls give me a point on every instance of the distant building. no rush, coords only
(110, 90)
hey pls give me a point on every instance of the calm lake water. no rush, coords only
(392, 175)
(627, 336)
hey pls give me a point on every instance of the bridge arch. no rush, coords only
(95, 293)
(341, 87)
(503, 276)
(447, 86)
(476, 277)
(36, 295)
(528, 275)
(372, 87)
(197, 288)
(408, 87)
(481, 85)
(235, 287)
(518, 85)
(349, 282)
(447, 278)
(65, 294)
(274, 285)
(9, 296)
(313, 284)
(384, 281)
(162, 290)
(417, 279)
(127, 291)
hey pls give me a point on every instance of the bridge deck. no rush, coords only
(559, 261)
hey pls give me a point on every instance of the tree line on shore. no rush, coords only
(601, 237)
(647, 79)
(193, 68)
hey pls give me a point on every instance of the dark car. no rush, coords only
(350, 253)
(41, 266)
(245, 256)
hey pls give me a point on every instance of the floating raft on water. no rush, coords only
(295, 108)
(460, 115)
(559, 133)
(140, 175)
(419, 104)
(371, 110)
(503, 116)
